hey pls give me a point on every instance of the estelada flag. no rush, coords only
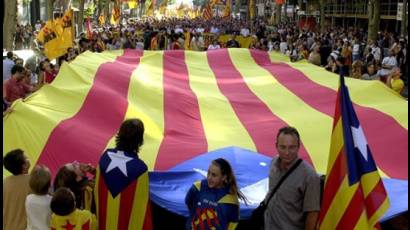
(65, 29)
(122, 192)
(354, 196)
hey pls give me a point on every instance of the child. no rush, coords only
(66, 215)
(15, 190)
(213, 203)
(38, 204)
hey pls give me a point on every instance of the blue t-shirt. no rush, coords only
(211, 208)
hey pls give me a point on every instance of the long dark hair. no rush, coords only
(226, 169)
(130, 137)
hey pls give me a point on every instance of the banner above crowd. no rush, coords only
(196, 102)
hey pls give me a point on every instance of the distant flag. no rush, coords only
(280, 2)
(101, 19)
(115, 15)
(88, 28)
(207, 12)
(50, 39)
(163, 7)
(354, 195)
(251, 9)
(149, 8)
(132, 4)
(227, 11)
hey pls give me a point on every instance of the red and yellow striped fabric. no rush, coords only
(128, 210)
(195, 102)
(354, 196)
(207, 12)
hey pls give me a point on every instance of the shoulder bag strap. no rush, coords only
(283, 179)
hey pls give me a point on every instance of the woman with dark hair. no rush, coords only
(74, 176)
(122, 190)
(215, 197)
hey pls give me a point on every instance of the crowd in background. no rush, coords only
(339, 50)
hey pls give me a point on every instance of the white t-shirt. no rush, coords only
(38, 212)
(283, 46)
(213, 47)
(356, 49)
(390, 61)
(245, 32)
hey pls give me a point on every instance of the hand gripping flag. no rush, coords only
(354, 195)
(121, 192)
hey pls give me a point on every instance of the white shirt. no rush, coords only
(214, 47)
(390, 61)
(245, 32)
(283, 46)
(7, 65)
(356, 48)
(38, 212)
(214, 30)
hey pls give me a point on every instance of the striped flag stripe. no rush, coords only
(101, 200)
(218, 118)
(340, 202)
(262, 84)
(58, 104)
(314, 95)
(235, 89)
(352, 213)
(298, 83)
(184, 135)
(141, 212)
(95, 121)
(362, 92)
(126, 203)
(375, 199)
(333, 182)
(113, 208)
(145, 98)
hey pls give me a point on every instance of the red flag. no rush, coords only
(89, 29)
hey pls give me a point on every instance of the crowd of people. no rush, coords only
(84, 195)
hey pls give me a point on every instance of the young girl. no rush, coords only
(213, 203)
(38, 204)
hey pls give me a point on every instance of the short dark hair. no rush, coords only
(63, 202)
(40, 180)
(67, 178)
(288, 130)
(17, 68)
(14, 161)
(10, 55)
(130, 137)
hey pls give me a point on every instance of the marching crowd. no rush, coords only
(336, 49)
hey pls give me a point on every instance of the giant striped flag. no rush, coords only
(195, 102)
(354, 195)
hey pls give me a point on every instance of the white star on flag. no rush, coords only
(359, 140)
(118, 160)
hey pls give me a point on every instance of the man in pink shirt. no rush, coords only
(15, 88)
